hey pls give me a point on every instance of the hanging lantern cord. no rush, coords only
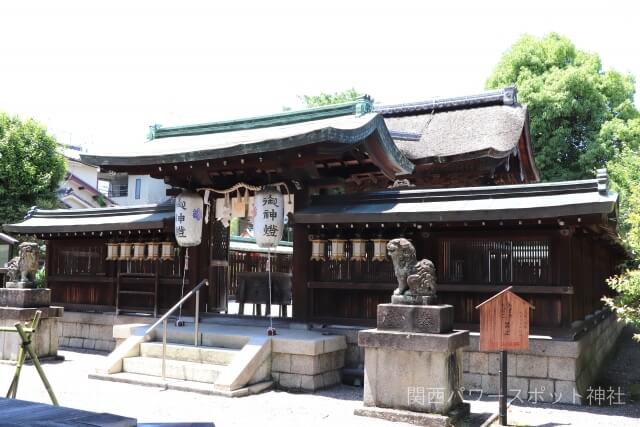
(179, 322)
(271, 331)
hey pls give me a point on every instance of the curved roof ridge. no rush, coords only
(504, 96)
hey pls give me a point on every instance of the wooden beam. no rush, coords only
(525, 289)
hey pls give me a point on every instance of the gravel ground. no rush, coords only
(329, 407)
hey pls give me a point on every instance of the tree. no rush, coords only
(580, 114)
(624, 170)
(30, 167)
(330, 98)
(626, 303)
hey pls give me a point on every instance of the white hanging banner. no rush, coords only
(188, 219)
(268, 223)
(223, 211)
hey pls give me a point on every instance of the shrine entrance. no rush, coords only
(238, 266)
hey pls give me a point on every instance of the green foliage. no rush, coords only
(330, 98)
(99, 198)
(233, 224)
(627, 303)
(40, 278)
(624, 170)
(581, 116)
(30, 168)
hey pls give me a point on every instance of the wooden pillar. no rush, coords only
(301, 254)
(562, 259)
(301, 295)
(47, 262)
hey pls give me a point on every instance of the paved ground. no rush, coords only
(330, 407)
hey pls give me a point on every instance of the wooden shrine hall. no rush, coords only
(454, 175)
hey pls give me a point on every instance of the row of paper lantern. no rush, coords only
(135, 251)
(358, 249)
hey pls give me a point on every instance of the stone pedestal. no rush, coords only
(20, 305)
(413, 365)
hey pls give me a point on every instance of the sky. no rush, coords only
(99, 73)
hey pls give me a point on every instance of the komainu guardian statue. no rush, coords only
(22, 269)
(416, 279)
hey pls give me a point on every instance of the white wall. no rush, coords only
(151, 191)
(88, 174)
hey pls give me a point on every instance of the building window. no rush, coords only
(138, 187)
(469, 261)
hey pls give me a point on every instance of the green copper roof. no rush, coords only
(360, 106)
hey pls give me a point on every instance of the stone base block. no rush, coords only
(306, 383)
(413, 371)
(431, 319)
(45, 340)
(413, 341)
(25, 297)
(417, 418)
(302, 372)
(413, 299)
(20, 285)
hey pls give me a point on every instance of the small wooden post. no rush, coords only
(503, 388)
(504, 325)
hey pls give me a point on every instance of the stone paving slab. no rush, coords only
(330, 407)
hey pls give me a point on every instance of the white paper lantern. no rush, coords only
(112, 251)
(153, 249)
(358, 249)
(167, 251)
(188, 218)
(268, 223)
(379, 250)
(317, 250)
(138, 251)
(337, 250)
(125, 251)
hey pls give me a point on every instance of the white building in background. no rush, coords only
(127, 190)
(79, 188)
(84, 186)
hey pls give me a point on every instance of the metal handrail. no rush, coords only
(164, 317)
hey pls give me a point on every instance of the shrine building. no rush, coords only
(455, 176)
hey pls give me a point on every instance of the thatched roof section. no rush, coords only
(492, 131)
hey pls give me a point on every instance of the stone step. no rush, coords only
(176, 369)
(189, 353)
(185, 336)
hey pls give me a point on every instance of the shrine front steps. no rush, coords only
(175, 369)
(187, 368)
(229, 365)
(188, 353)
(230, 360)
(183, 362)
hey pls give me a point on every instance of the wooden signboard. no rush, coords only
(504, 325)
(504, 322)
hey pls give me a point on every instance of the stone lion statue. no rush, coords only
(25, 264)
(415, 278)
